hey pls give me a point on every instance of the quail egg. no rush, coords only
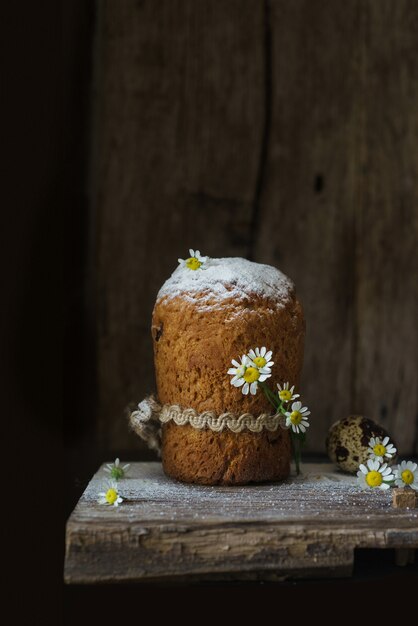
(348, 440)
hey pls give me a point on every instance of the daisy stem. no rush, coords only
(270, 396)
(296, 452)
(279, 408)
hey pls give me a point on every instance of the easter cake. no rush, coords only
(205, 316)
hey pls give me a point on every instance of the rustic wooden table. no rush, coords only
(165, 530)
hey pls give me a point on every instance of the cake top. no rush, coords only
(208, 282)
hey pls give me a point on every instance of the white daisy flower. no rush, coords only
(195, 261)
(374, 475)
(238, 371)
(406, 474)
(111, 495)
(116, 470)
(379, 449)
(286, 394)
(247, 376)
(297, 418)
(261, 358)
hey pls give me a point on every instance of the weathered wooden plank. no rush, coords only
(292, 124)
(308, 526)
(386, 340)
(306, 215)
(180, 113)
(338, 206)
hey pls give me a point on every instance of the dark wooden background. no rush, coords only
(284, 131)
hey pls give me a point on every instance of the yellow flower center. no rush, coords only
(285, 395)
(296, 417)
(251, 374)
(111, 495)
(379, 449)
(260, 361)
(192, 263)
(374, 479)
(407, 476)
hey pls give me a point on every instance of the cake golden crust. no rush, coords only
(193, 350)
(226, 458)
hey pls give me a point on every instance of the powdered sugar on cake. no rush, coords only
(227, 278)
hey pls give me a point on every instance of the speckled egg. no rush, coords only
(348, 439)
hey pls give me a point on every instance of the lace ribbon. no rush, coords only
(147, 419)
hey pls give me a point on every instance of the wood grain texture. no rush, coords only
(310, 190)
(281, 131)
(386, 326)
(180, 100)
(308, 526)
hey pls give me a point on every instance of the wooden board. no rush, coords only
(281, 131)
(386, 329)
(306, 527)
(310, 192)
(177, 80)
